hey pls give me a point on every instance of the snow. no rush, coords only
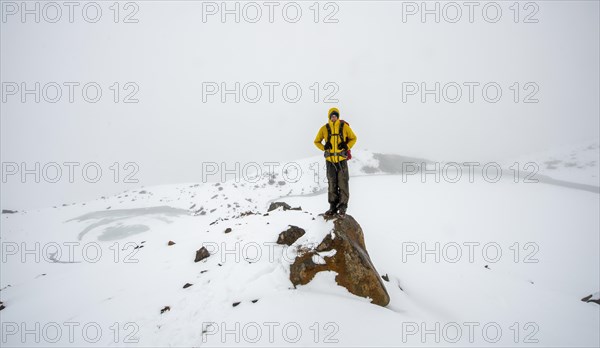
(106, 264)
(577, 163)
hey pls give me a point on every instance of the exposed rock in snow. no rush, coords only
(289, 236)
(201, 254)
(351, 262)
(282, 205)
(595, 297)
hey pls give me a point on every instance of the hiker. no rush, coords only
(339, 140)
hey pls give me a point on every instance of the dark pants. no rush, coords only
(338, 177)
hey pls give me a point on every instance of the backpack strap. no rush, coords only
(341, 131)
(328, 143)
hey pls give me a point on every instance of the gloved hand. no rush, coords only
(328, 146)
(343, 146)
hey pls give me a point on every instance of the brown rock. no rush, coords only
(351, 262)
(171, 243)
(289, 236)
(283, 205)
(167, 308)
(201, 254)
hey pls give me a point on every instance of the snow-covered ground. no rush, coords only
(574, 163)
(469, 263)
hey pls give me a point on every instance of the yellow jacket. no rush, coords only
(347, 133)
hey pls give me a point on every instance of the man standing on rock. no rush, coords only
(339, 139)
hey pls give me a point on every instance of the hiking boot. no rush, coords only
(332, 210)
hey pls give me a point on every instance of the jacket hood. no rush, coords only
(332, 110)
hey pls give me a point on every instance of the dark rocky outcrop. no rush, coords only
(201, 254)
(289, 236)
(351, 262)
(8, 211)
(592, 298)
(283, 205)
(171, 243)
